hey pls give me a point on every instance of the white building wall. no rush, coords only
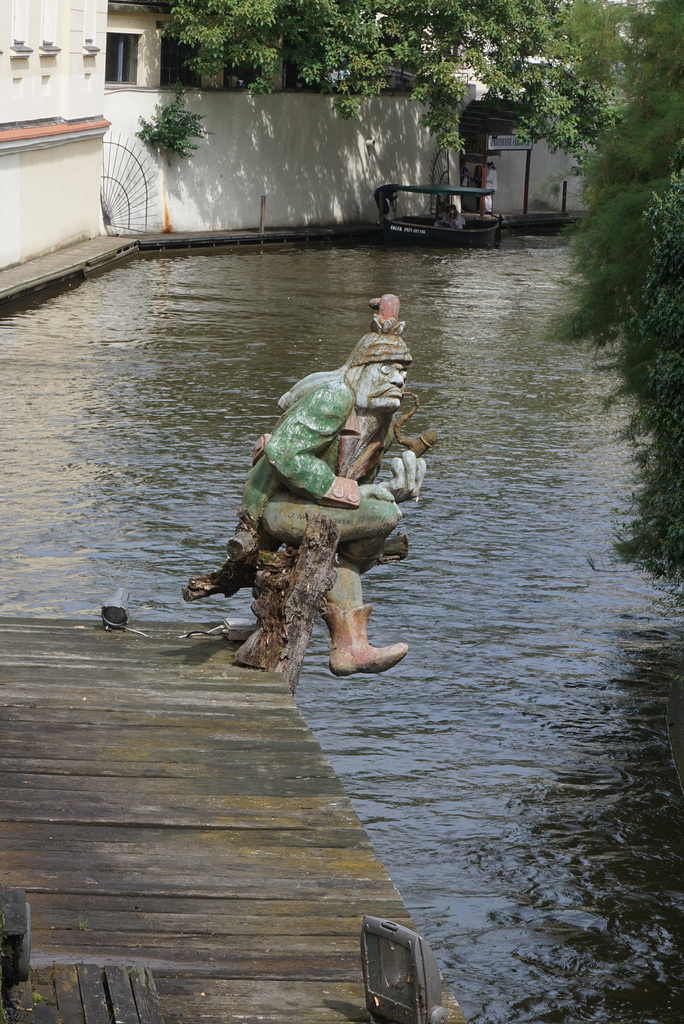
(312, 167)
(291, 147)
(73, 172)
(548, 170)
(10, 217)
(51, 98)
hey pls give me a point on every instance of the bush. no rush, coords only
(629, 255)
(654, 538)
(173, 126)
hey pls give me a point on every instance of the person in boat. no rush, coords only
(477, 183)
(443, 218)
(491, 183)
(459, 220)
(385, 199)
(326, 450)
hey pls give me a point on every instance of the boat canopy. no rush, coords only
(446, 190)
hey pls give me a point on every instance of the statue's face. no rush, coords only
(380, 386)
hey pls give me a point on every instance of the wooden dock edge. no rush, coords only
(167, 811)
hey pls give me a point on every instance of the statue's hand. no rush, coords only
(378, 491)
(407, 476)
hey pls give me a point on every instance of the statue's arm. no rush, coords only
(296, 448)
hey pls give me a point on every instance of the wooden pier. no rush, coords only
(167, 811)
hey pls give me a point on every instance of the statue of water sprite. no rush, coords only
(326, 451)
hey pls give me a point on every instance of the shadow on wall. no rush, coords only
(291, 147)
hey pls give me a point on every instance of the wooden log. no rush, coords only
(289, 595)
(245, 560)
(237, 571)
(289, 588)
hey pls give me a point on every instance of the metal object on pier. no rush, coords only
(115, 610)
(401, 977)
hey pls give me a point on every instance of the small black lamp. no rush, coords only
(400, 974)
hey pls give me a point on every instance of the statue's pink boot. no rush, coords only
(351, 651)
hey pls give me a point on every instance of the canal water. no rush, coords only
(514, 770)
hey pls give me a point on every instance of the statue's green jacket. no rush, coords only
(303, 452)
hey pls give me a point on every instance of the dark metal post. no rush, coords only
(485, 157)
(528, 157)
(564, 203)
(262, 215)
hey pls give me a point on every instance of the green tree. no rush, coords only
(628, 255)
(654, 538)
(526, 51)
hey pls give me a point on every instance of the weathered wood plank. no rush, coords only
(194, 791)
(236, 888)
(244, 768)
(168, 963)
(284, 956)
(156, 909)
(22, 684)
(44, 998)
(145, 994)
(92, 994)
(271, 1002)
(105, 839)
(68, 994)
(184, 862)
(232, 874)
(115, 718)
(197, 811)
(160, 743)
(341, 951)
(121, 994)
(138, 926)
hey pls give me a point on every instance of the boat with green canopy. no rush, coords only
(447, 227)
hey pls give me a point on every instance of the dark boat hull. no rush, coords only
(404, 232)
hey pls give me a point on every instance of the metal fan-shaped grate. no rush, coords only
(439, 171)
(439, 175)
(127, 189)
